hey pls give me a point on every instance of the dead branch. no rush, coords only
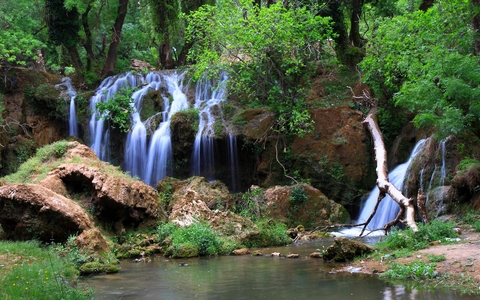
(381, 195)
(383, 184)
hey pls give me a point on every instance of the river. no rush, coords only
(250, 277)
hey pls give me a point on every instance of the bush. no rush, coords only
(417, 270)
(194, 240)
(434, 231)
(271, 233)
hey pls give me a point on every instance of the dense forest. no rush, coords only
(416, 56)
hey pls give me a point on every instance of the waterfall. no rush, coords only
(99, 132)
(441, 176)
(233, 162)
(72, 118)
(388, 208)
(149, 163)
(160, 149)
(207, 100)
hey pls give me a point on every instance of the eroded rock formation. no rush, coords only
(29, 211)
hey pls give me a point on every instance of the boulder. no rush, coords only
(116, 200)
(303, 204)
(214, 194)
(344, 249)
(30, 211)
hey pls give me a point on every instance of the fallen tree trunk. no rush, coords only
(385, 187)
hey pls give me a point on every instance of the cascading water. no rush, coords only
(388, 208)
(233, 162)
(99, 133)
(72, 119)
(207, 99)
(147, 163)
(433, 183)
(160, 149)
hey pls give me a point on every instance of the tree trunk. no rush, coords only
(75, 57)
(354, 36)
(165, 54)
(88, 44)
(382, 177)
(117, 31)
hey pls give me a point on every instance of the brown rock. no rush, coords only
(92, 241)
(315, 209)
(33, 211)
(344, 249)
(243, 251)
(316, 254)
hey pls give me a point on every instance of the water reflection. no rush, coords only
(247, 277)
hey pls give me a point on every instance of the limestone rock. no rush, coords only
(113, 199)
(33, 211)
(137, 64)
(303, 204)
(214, 194)
(92, 241)
(344, 249)
(243, 251)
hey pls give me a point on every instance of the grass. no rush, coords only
(32, 271)
(50, 157)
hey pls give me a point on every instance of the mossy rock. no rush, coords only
(183, 251)
(97, 268)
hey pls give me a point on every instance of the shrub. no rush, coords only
(435, 231)
(417, 270)
(271, 233)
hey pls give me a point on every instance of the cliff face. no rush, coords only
(33, 116)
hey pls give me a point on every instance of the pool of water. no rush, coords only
(250, 277)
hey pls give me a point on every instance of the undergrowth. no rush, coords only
(37, 272)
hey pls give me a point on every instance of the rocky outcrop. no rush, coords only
(197, 200)
(344, 249)
(214, 194)
(303, 204)
(115, 200)
(32, 211)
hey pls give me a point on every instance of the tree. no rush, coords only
(269, 56)
(63, 28)
(424, 60)
(20, 38)
(165, 15)
(109, 66)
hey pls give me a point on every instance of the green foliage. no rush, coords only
(18, 22)
(252, 204)
(467, 163)
(165, 230)
(118, 109)
(39, 274)
(55, 150)
(472, 218)
(424, 60)
(417, 270)
(271, 233)
(298, 196)
(269, 55)
(436, 258)
(199, 236)
(44, 100)
(434, 231)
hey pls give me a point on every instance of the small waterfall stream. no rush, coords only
(388, 208)
(72, 117)
(208, 96)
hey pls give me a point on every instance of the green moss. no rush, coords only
(97, 267)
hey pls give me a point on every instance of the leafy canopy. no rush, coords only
(425, 61)
(269, 53)
(18, 24)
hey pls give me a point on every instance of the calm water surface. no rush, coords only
(248, 277)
